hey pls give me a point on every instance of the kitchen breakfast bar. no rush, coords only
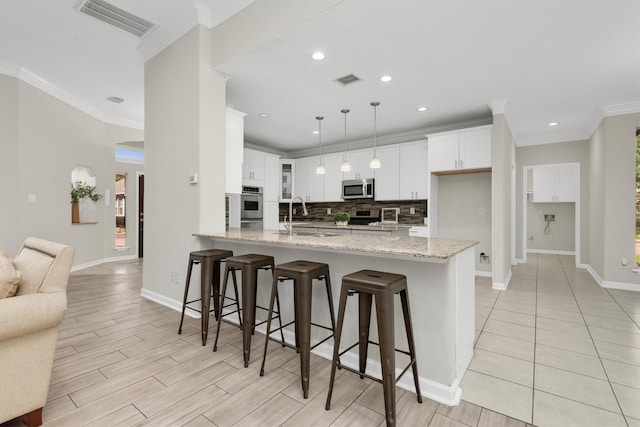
(440, 276)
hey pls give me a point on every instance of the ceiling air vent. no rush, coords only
(114, 16)
(348, 79)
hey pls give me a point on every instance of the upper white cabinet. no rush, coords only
(413, 172)
(387, 184)
(308, 184)
(253, 167)
(234, 145)
(333, 177)
(271, 178)
(285, 184)
(359, 161)
(555, 183)
(465, 150)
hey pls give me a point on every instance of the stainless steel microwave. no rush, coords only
(358, 189)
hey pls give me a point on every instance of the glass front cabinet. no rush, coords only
(287, 168)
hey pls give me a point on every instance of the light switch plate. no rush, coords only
(31, 198)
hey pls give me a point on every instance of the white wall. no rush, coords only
(502, 161)
(563, 152)
(561, 236)
(9, 166)
(612, 151)
(47, 140)
(460, 199)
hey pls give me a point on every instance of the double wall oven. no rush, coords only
(251, 207)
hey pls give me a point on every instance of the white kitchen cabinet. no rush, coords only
(413, 171)
(253, 168)
(308, 184)
(333, 177)
(286, 180)
(475, 148)
(271, 178)
(460, 151)
(270, 213)
(555, 183)
(234, 146)
(359, 161)
(387, 184)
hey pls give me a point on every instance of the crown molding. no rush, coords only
(49, 88)
(621, 109)
(551, 138)
(395, 138)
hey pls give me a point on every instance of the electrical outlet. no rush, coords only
(328, 211)
(295, 211)
(484, 259)
(412, 211)
(174, 277)
(480, 211)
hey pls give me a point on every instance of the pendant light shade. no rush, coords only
(375, 162)
(320, 168)
(345, 166)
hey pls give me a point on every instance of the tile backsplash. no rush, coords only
(318, 211)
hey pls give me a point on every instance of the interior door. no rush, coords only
(140, 214)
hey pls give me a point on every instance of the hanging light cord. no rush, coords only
(344, 157)
(375, 126)
(319, 118)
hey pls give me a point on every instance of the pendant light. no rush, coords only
(375, 162)
(345, 166)
(320, 168)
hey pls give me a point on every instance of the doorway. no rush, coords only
(527, 199)
(140, 215)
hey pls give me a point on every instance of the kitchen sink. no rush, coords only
(307, 233)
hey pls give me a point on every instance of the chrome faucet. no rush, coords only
(304, 212)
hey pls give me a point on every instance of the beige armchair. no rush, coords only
(29, 324)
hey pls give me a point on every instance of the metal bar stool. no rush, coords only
(248, 265)
(209, 285)
(302, 273)
(383, 286)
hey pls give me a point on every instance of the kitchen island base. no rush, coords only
(442, 308)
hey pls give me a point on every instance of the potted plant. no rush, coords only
(341, 218)
(85, 195)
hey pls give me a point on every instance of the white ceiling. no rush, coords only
(568, 61)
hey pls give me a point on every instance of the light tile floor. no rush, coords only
(553, 350)
(556, 349)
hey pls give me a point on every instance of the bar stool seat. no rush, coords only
(248, 265)
(383, 286)
(209, 285)
(302, 273)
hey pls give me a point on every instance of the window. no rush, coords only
(121, 228)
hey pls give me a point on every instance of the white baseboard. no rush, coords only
(502, 286)
(483, 273)
(549, 251)
(609, 284)
(102, 261)
(167, 302)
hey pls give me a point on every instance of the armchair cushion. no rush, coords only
(9, 276)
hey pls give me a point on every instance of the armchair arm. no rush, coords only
(25, 314)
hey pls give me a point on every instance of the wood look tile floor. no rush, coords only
(121, 362)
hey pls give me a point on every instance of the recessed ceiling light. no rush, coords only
(553, 124)
(385, 78)
(421, 109)
(318, 56)
(115, 99)
(263, 115)
(315, 132)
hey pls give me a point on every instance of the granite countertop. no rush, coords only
(417, 247)
(327, 224)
